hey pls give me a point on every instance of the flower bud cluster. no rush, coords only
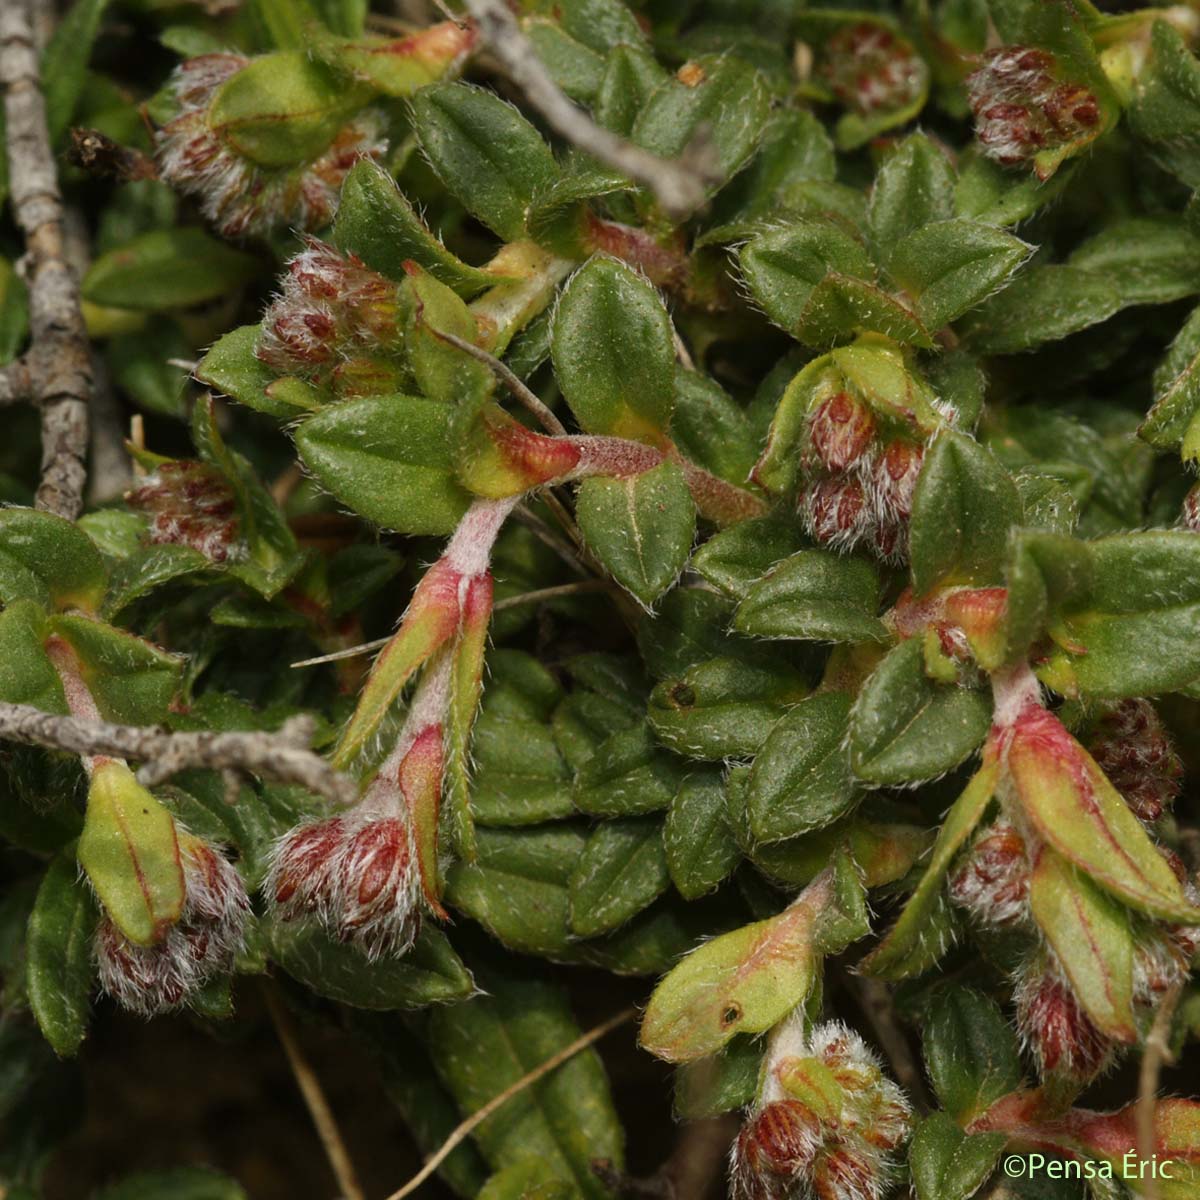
(354, 874)
(189, 503)
(861, 481)
(1021, 107)
(1060, 1036)
(1134, 749)
(870, 69)
(331, 309)
(202, 943)
(826, 1124)
(238, 196)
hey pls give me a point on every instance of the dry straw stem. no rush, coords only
(1156, 1052)
(679, 184)
(56, 371)
(283, 756)
(477, 1118)
(314, 1099)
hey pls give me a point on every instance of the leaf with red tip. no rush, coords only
(421, 783)
(895, 956)
(1074, 807)
(431, 620)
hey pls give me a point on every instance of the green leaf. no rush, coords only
(1176, 390)
(906, 728)
(566, 1119)
(576, 69)
(971, 1053)
(131, 679)
(283, 109)
(58, 949)
(723, 708)
(530, 1178)
(711, 429)
(1150, 260)
(626, 775)
(1091, 936)
(613, 351)
(231, 368)
(1139, 633)
(182, 1183)
(150, 567)
(730, 104)
(913, 187)
(699, 844)
(44, 557)
(1046, 574)
(390, 459)
(948, 1164)
(517, 887)
(377, 223)
(430, 973)
(736, 558)
(631, 76)
(964, 505)
(130, 852)
(918, 939)
(948, 267)
(816, 595)
(444, 372)
(167, 269)
(640, 528)
(1046, 304)
(65, 63)
(27, 675)
(484, 151)
(622, 870)
(1166, 108)
(801, 778)
(14, 305)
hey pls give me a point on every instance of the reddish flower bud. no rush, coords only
(840, 429)
(775, 1148)
(331, 305)
(356, 875)
(1021, 107)
(835, 511)
(869, 69)
(894, 478)
(192, 504)
(992, 880)
(1191, 509)
(236, 195)
(1133, 748)
(1056, 1030)
(848, 1171)
(201, 944)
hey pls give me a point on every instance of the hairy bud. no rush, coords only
(1191, 509)
(1022, 108)
(189, 503)
(826, 1122)
(1132, 747)
(357, 875)
(840, 430)
(869, 69)
(238, 196)
(895, 478)
(331, 306)
(992, 880)
(1054, 1027)
(202, 943)
(835, 511)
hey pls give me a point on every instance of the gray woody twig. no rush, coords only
(57, 367)
(283, 755)
(679, 186)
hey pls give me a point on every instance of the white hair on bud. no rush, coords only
(200, 945)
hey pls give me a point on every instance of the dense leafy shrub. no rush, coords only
(771, 496)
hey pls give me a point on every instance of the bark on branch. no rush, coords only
(679, 184)
(283, 756)
(57, 368)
